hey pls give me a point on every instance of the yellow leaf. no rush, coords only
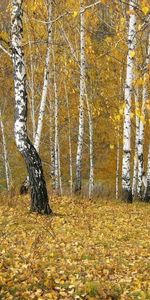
(131, 115)
(75, 13)
(131, 53)
(145, 10)
(111, 146)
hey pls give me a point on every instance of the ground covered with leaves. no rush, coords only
(86, 250)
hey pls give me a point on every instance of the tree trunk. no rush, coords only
(52, 150)
(25, 186)
(69, 142)
(147, 191)
(5, 154)
(91, 173)
(57, 187)
(126, 181)
(117, 164)
(135, 168)
(78, 179)
(141, 127)
(39, 196)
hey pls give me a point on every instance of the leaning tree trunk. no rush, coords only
(25, 186)
(147, 191)
(126, 181)
(5, 154)
(39, 196)
(141, 126)
(78, 179)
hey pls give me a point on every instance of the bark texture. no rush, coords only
(142, 126)
(135, 168)
(5, 154)
(126, 180)
(78, 179)
(39, 196)
(25, 186)
(147, 191)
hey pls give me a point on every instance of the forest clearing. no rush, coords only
(86, 250)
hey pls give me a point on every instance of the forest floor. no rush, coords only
(87, 250)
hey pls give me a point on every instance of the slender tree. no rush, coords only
(147, 190)
(69, 140)
(142, 126)
(137, 122)
(39, 196)
(117, 162)
(25, 185)
(126, 180)
(78, 179)
(5, 154)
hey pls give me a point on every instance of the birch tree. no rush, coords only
(39, 196)
(141, 126)
(137, 123)
(91, 172)
(126, 181)
(25, 186)
(117, 162)
(69, 141)
(78, 179)
(147, 187)
(5, 154)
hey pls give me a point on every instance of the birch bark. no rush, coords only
(147, 189)
(5, 154)
(69, 141)
(91, 174)
(117, 165)
(135, 168)
(78, 179)
(25, 186)
(39, 196)
(126, 181)
(141, 127)
(52, 150)
(45, 80)
(56, 132)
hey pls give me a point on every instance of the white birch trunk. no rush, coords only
(78, 180)
(117, 165)
(25, 186)
(32, 91)
(5, 154)
(59, 170)
(91, 174)
(147, 183)
(52, 152)
(56, 132)
(39, 196)
(69, 142)
(126, 181)
(135, 168)
(45, 81)
(141, 127)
